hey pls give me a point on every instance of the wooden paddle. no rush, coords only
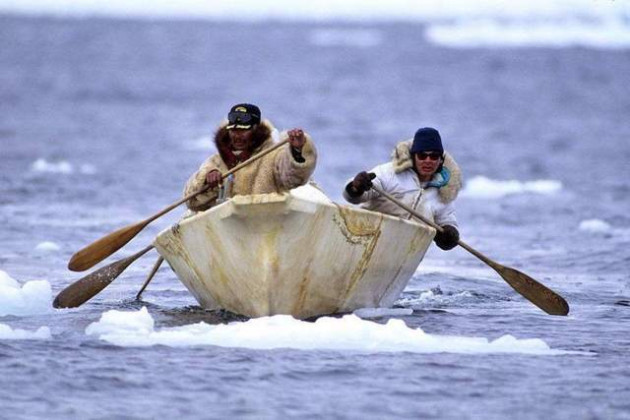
(538, 294)
(99, 250)
(89, 286)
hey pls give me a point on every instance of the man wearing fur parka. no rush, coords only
(422, 176)
(241, 137)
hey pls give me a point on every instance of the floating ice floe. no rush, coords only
(33, 297)
(349, 333)
(554, 33)
(8, 333)
(594, 226)
(482, 187)
(61, 167)
(47, 246)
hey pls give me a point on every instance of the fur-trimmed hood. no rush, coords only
(262, 135)
(402, 160)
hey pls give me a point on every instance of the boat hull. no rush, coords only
(270, 254)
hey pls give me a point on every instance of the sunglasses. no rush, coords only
(430, 155)
(241, 117)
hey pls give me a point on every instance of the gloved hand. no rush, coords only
(213, 178)
(361, 183)
(447, 239)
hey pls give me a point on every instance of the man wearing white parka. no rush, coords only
(422, 176)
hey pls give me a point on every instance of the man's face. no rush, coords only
(427, 163)
(241, 139)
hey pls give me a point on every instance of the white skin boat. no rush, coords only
(296, 253)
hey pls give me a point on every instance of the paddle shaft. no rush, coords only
(207, 187)
(102, 248)
(461, 243)
(156, 266)
(537, 293)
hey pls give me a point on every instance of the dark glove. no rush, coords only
(297, 155)
(360, 184)
(448, 238)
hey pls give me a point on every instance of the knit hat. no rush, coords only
(427, 139)
(243, 116)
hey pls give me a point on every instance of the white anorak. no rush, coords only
(433, 199)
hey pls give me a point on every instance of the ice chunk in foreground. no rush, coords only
(34, 297)
(349, 333)
(7, 333)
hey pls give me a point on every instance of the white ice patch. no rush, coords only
(47, 246)
(434, 297)
(362, 38)
(431, 296)
(34, 297)
(8, 333)
(61, 167)
(594, 226)
(606, 34)
(349, 333)
(482, 187)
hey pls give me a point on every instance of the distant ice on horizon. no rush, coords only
(408, 10)
(600, 34)
(458, 23)
(349, 333)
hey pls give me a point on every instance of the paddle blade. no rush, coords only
(99, 250)
(537, 293)
(89, 286)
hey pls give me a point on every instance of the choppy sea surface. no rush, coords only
(102, 121)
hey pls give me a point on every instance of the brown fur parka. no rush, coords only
(275, 172)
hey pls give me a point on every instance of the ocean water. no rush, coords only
(102, 120)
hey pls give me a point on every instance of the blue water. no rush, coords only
(131, 99)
